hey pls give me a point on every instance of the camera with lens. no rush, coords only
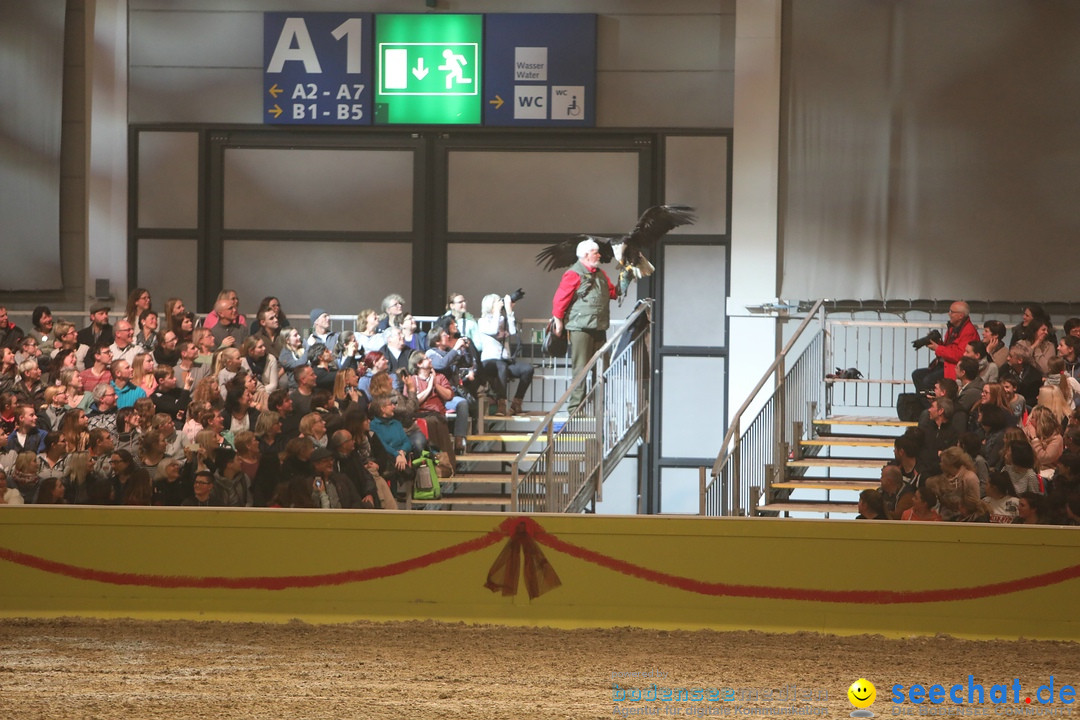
(932, 336)
(516, 295)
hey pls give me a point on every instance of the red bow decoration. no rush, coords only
(539, 575)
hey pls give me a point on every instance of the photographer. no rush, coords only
(455, 357)
(499, 342)
(948, 350)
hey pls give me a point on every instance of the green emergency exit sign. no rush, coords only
(428, 69)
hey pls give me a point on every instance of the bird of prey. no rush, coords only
(627, 249)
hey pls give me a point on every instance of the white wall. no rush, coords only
(754, 195)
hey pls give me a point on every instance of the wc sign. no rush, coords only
(540, 70)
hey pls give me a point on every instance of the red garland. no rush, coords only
(525, 534)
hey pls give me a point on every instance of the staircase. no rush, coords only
(800, 458)
(842, 456)
(556, 461)
(482, 479)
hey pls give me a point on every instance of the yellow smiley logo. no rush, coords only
(862, 693)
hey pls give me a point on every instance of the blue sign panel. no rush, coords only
(317, 68)
(540, 70)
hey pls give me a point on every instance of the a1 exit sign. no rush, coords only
(429, 69)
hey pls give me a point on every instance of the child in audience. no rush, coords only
(1001, 498)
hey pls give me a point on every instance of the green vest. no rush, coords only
(591, 306)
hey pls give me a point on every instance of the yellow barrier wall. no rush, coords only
(660, 572)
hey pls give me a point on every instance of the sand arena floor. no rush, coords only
(134, 669)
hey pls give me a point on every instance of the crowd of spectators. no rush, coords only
(243, 411)
(999, 440)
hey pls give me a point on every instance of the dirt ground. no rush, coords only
(204, 670)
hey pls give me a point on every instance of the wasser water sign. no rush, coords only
(540, 69)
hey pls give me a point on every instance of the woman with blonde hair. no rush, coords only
(75, 428)
(957, 488)
(369, 338)
(24, 475)
(77, 469)
(293, 354)
(1043, 431)
(261, 362)
(142, 373)
(77, 397)
(208, 441)
(313, 427)
(346, 394)
(268, 431)
(229, 362)
(206, 390)
(1057, 392)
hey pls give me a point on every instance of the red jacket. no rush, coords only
(952, 348)
(568, 285)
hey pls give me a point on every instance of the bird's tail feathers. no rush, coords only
(643, 268)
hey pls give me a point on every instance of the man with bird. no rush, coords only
(581, 306)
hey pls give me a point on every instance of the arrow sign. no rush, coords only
(275, 111)
(420, 71)
(497, 102)
(275, 90)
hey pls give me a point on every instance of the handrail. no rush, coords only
(644, 307)
(723, 455)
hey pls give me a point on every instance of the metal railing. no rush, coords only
(876, 342)
(749, 462)
(575, 456)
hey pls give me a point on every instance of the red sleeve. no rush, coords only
(612, 293)
(565, 294)
(955, 350)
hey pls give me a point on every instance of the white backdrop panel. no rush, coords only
(693, 413)
(695, 291)
(680, 490)
(695, 174)
(538, 192)
(341, 277)
(168, 180)
(332, 189)
(167, 269)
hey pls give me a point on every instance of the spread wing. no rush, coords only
(656, 222)
(564, 254)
